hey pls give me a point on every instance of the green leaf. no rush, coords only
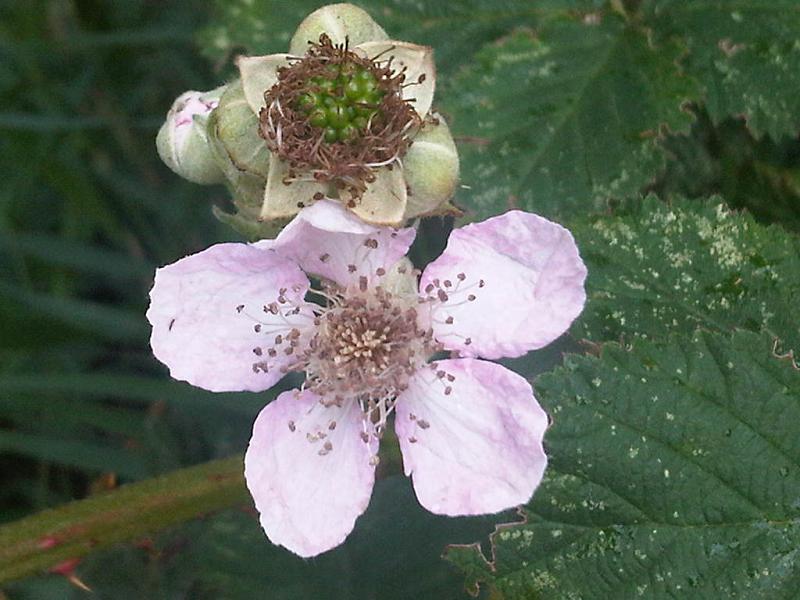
(744, 52)
(128, 388)
(129, 464)
(675, 472)
(558, 121)
(57, 251)
(662, 269)
(108, 322)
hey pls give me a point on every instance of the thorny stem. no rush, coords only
(42, 541)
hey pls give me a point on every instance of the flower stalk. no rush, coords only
(41, 542)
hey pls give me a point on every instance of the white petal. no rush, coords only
(309, 471)
(327, 240)
(209, 324)
(523, 286)
(418, 64)
(476, 449)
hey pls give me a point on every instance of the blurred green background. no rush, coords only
(87, 212)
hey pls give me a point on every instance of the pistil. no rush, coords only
(334, 116)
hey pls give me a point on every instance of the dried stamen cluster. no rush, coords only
(366, 346)
(334, 116)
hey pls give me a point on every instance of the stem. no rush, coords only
(41, 541)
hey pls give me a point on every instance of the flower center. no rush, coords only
(334, 115)
(366, 346)
(342, 102)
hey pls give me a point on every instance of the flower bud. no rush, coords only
(182, 141)
(339, 22)
(431, 170)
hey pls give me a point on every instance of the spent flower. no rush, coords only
(370, 338)
(345, 115)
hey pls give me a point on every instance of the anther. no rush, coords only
(471, 297)
(371, 243)
(448, 390)
(240, 308)
(443, 297)
(324, 257)
(461, 276)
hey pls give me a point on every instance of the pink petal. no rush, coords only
(205, 310)
(329, 241)
(309, 489)
(522, 286)
(477, 448)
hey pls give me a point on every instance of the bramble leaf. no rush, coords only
(558, 121)
(659, 270)
(744, 52)
(675, 472)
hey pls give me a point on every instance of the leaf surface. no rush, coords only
(675, 472)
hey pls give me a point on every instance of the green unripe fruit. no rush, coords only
(341, 101)
(347, 133)
(353, 90)
(308, 101)
(337, 116)
(319, 118)
(331, 135)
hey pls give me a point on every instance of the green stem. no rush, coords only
(39, 542)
